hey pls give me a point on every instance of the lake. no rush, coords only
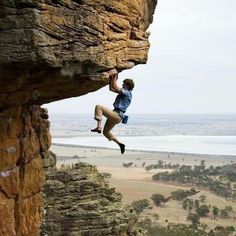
(215, 145)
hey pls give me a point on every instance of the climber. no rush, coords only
(116, 115)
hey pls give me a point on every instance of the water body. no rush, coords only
(198, 134)
(148, 125)
(214, 145)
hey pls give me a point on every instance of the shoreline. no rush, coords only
(184, 154)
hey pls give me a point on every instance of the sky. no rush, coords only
(191, 67)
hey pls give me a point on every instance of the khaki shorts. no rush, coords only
(112, 119)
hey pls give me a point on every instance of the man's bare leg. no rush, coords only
(107, 133)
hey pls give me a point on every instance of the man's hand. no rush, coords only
(113, 83)
(113, 77)
(112, 72)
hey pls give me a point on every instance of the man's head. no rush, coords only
(128, 84)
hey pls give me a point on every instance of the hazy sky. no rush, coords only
(191, 66)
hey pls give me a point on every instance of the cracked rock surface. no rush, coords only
(56, 44)
(24, 139)
(78, 201)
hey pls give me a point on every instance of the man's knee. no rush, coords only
(107, 134)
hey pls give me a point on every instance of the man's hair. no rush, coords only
(129, 83)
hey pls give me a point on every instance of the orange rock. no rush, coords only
(30, 215)
(9, 153)
(30, 146)
(10, 124)
(7, 220)
(21, 169)
(10, 182)
(33, 177)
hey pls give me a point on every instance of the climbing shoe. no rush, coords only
(98, 130)
(122, 148)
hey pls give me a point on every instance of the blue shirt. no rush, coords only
(123, 99)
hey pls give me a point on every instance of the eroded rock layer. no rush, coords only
(24, 140)
(78, 201)
(49, 47)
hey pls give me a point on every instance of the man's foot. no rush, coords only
(122, 148)
(98, 130)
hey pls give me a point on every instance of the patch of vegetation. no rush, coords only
(140, 205)
(196, 229)
(180, 194)
(161, 165)
(194, 219)
(158, 199)
(214, 178)
(203, 210)
(225, 213)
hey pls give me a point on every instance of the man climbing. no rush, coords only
(115, 116)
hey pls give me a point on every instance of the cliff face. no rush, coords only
(24, 140)
(51, 50)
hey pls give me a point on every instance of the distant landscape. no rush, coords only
(193, 194)
(72, 125)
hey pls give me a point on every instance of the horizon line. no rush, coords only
(87, 113)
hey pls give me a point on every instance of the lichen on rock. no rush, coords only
(78, 201)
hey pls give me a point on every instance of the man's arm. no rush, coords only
(113, 84)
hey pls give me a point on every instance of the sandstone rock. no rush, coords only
(10, 123)
(9, 153)
(10, 182)
(79, 201)
(49, 161)
(21, 170)
(7, 215)
(48, 44)
(29, 215)
(33, 178)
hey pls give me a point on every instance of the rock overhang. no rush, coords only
(51, 48)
